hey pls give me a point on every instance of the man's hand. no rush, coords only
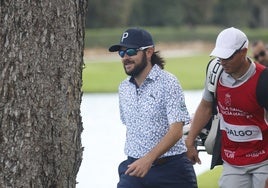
(192, 154)
(139, 168)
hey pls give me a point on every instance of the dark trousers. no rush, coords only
(172, 172)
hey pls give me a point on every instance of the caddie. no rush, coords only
(242, 102)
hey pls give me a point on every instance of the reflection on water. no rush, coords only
(103, 139)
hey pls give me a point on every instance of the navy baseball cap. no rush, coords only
(133, 38)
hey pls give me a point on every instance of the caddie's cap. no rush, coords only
(228, 42)
(133, 38)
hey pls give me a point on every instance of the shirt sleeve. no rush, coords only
(207, 96)
(175, 104)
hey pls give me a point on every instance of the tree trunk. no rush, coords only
(41, 48)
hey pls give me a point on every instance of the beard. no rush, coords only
(138, 67)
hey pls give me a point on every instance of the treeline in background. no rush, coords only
(174, 20)
(171, 22)
(122, 13)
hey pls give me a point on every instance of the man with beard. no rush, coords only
(152, 107)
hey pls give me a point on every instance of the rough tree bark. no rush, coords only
(41, 50)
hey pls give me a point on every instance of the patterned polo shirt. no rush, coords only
(149, 110)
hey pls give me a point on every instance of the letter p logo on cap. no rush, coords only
(124, 36)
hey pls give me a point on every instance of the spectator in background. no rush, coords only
(260, 52)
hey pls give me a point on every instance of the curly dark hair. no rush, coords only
(157, 59)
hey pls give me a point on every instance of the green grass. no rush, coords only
(210, 178)
(104, 37)
(189, 70)
(106, 76)
(99, 77)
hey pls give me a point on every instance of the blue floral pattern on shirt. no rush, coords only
(149, 110)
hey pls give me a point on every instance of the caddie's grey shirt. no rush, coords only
(229, 81)
(149, 110)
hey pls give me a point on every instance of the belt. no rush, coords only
(159, 161)
(163, 160)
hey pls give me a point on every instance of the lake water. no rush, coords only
(103, 139)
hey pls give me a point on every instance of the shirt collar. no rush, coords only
(227, 79)
(153, 74)
(249, 72)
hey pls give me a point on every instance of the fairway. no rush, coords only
(99, 77)
(210, 178)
